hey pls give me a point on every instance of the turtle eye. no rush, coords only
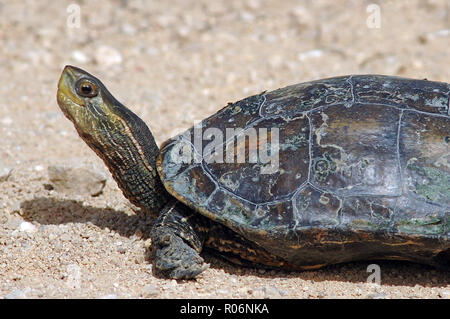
(86, 88)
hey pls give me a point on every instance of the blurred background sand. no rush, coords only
(174, 63)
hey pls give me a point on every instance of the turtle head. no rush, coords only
(87, 103)
(117, 135)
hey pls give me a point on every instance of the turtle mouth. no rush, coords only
(67, 99)
(65, 84)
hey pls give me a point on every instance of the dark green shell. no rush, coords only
(364, 170)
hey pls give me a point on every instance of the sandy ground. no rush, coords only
(174, 63)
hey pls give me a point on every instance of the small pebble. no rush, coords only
(110, 296)
(310, 54)
(128, 29)
(183, 31)
(271, 292)
(18, 294)
(247, 16)
(222, 291)
(64, 237)
(79, 57)
(6, 120)
(27, 227)
(444, 294)
(243, 291)
(107, 56)
(13, 222)
(121, 250)
(139, 259)
(149, 291)
(73, 276)
(165, 21)
(258, 293)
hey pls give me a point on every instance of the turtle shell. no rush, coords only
(358, 163)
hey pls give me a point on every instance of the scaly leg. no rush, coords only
(177, 239)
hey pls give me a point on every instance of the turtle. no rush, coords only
(342, 169)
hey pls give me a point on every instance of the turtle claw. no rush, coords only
(174, 258)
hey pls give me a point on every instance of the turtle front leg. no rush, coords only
(177, 239)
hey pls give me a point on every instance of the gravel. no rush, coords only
(174, 65)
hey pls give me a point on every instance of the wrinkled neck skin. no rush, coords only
(129, 150)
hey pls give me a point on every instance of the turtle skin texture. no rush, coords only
(364, 171)
(318, 173)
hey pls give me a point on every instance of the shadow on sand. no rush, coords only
(50, 211)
